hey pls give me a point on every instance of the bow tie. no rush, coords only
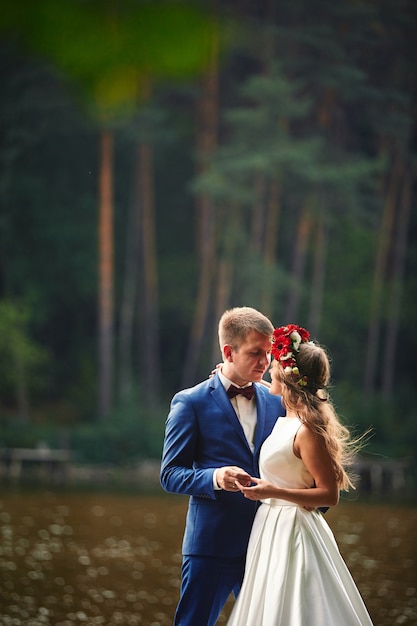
(248, 392)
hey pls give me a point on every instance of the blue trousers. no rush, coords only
(206, 585)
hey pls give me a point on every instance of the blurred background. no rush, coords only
(164, 161)
(161, 161)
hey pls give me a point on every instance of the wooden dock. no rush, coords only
(377, 476)
(41, 464)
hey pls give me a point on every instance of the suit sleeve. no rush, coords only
(178, 472)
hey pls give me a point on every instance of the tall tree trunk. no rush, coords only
(149, 343)
(206, 144)
(130, 288)
(300, 249)
(223, 283)
(22, 392)
(319, 272)
(270, 247)
(258, 214)
(230, 220)
(272, 219)
(379, 278)
(105, 304)
(273, 189)
(394, 304)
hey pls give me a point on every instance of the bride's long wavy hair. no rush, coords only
(312, 404)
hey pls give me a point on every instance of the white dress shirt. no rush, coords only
(246, 412)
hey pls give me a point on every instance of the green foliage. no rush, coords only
(22, 359)
(111, 52)
(386, 438)
(131, 434)
(119, 444)
(320, 123)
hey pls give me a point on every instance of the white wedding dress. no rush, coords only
(295, 574)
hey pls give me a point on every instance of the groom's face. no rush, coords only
(249, 361)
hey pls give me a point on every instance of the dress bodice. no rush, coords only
(278, 463)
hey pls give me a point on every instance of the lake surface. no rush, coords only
(96, 558)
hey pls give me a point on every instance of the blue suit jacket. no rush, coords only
(203, 433)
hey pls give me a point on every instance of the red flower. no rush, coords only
(304, 334)
(283, 344)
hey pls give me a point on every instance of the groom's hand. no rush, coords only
(228, 476)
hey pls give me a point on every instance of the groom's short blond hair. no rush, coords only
(235, 325)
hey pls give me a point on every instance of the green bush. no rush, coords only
(129, 435)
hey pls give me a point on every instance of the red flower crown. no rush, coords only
(286, 342)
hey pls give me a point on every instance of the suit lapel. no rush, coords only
(220, 397)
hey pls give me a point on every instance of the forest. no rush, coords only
(164, 161)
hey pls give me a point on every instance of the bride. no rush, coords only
(295, 574)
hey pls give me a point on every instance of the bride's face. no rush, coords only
(276, 384)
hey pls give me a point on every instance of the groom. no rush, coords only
(214, 432)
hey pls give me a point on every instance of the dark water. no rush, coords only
(69, 559)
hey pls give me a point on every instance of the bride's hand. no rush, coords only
(259, 491)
